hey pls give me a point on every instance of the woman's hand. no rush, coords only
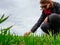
(27, 33)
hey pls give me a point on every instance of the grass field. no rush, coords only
(11, 39)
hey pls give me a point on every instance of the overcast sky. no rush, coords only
(23, 14)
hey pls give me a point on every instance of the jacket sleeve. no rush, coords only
(41, 19)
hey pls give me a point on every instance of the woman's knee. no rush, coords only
(53, 17)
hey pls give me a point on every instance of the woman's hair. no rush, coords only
(47, 1)
(44, 1)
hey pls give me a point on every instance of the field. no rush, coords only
(12, 39)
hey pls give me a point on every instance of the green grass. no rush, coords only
(11, 39)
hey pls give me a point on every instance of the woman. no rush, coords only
(50, 18)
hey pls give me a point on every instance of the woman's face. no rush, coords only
(45, 5)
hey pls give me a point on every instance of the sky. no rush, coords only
(23, 14)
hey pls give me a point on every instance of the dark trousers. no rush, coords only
(53, 24)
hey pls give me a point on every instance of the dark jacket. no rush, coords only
(55, 9)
